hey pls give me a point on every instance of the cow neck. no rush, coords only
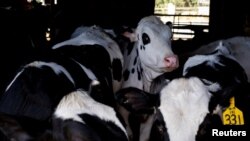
(148, 74)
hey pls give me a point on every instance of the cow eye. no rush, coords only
(145, 38)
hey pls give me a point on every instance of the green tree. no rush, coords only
(160, 2)
(190, 3)
(179, 3)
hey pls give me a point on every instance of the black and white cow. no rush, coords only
(188, 108)
(238, 47)
(181, 106)
(78, 117)
(147, 56)
(38, 87)
(94, 36)
(183, 110)
(224, 76)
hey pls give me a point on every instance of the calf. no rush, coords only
(238, 47)
(183, 110)
(79, 117)
(39, 85)
(188, 108)
(181, 106)
(224, 77)
(76, 117)
(149, 56)
(94, 36)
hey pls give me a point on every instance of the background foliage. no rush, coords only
(179, 3)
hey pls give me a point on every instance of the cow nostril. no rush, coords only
(167, 60)
(171, 61)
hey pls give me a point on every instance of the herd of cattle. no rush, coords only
(102, 85)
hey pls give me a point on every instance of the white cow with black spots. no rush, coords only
(238, 47)
(79, 117)
(94, 35)
(149, 56)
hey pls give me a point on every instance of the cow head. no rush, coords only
(222, 74)
(181, 109)
(224, 78)
(153, 42)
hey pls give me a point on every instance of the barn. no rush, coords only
(121, 57)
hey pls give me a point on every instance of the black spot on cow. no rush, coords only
(135, 60)
(133, 70)
(137, 52)
(125, 75)
(117, 69)
(139, 74)
(142, 47)
(145, 39)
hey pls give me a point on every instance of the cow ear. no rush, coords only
(137, 101)
(169, 24)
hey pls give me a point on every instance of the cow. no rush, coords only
(181, 106)
(238, 47)
(40, 84)
(92, 36)
(182, 111)
(223, 75)
(148, 55)
(76, 117)
(190, 106)
(79, 117)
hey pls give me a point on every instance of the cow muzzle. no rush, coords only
(171, 62)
